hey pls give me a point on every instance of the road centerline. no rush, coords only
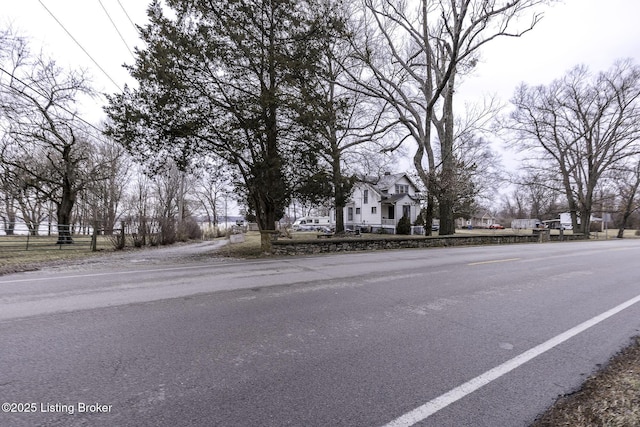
(426, 410)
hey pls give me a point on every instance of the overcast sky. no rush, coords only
(593, 32)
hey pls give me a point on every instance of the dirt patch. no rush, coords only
(609, 398)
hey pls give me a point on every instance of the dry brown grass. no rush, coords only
(16, 255)
(609, 398)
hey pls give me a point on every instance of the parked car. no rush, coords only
(496, 227)
(305, 227)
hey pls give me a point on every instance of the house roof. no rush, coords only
(393, 198)
(385, 182)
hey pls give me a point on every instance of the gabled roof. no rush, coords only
(387, 181)
(394, 198)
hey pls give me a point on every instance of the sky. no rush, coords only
(572, 32)
(100, 47)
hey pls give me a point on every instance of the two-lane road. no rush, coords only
(476, 336)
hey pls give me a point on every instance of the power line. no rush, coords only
(116, 28)
(80, 46)
(127, 15)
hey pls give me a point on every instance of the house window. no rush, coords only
(357, 211)
(349, 214)
(374, 209)
(406, 211)
(365, 197)
(402, 188)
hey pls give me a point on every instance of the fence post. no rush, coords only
(122, 244)
(27, 248)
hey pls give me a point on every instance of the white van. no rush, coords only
(311, 223)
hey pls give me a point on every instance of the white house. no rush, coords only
(379, 203)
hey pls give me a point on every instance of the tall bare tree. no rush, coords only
(45, 139)
(581, 125)
(414, 56)
(343, 122)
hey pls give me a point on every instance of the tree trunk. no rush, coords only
(10, 224)
(585, 221)
(625, 219)
(447, 221)
(628, 206)
(339, 196)
(339, 218)
(64, 215)
(267, 201)
(428, 219)
(267, 225)
(448, 188)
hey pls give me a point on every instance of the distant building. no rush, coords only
(481, 219)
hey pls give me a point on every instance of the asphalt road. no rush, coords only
(476, 336)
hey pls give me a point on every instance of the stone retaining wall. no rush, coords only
(352, 244)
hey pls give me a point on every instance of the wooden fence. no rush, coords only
(67, 239)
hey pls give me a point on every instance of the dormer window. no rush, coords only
(402, 188)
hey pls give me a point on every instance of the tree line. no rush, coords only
(57, 168)
(287, 100)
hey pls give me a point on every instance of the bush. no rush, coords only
(189, 230)
(167, 231)
(404, 225)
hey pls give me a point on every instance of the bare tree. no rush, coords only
(345, 121)
(513, 206)
(104, 197)
(626, 178)
(138, 208)
(540, 191)
(582, 126)
(413, 58)
(45, 139)
(212, 183)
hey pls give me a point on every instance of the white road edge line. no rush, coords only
(424, 411)
(119, 272)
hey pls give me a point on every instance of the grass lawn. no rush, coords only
(19, 254)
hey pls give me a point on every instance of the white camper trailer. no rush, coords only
(311, 223)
